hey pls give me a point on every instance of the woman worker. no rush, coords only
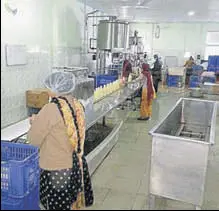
(126, 70)
(148, 94)
(59, 132)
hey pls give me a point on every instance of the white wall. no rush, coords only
(175, 38)
(52, 30)
(68, 17)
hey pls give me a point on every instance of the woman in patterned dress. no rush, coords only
(147, 95)
(59, 132)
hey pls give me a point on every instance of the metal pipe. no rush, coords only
(97, 61)
(104, 62)
(86, 27)
(85, 30)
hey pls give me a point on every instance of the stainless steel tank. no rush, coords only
(120, 37)
(180, 150)
(104, 37)
(112, 35)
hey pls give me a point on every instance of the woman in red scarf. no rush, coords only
(148, 94)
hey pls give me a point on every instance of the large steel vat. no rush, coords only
(180, 147)
(112, 35)
(120, 36)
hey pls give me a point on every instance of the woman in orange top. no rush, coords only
(59, 132)
(188, 65)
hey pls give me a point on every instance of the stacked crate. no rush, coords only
(173, 80)
(195, 78)
(194, 81)
(213, 64)
(197, 70)
(208, 77)
(175, 77)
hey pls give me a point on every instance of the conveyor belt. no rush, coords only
(101, 108)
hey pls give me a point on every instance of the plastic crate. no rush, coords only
(28, 202)
(173, 80)
(213, 64)
(194, 81)
(19, 169)
(193, 84)
(102, 80)
(172, 84)
(197, 70)
(195, 78)
(197, 67)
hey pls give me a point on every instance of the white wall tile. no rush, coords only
(38, 26)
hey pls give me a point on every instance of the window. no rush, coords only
(187, 54)
(211, 51)
(213, 38)
(212, 44)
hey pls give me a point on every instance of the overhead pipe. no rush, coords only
(85, 33)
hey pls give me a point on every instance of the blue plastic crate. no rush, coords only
(197, 67)
(102, 80)
(197, 70)
(193, 84)
(173, 80)
(172, 84)
(194, 81)
(28, 202)
(19, 169)
(194, 78)
(213, 63)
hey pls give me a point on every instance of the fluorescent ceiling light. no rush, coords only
(191, 13)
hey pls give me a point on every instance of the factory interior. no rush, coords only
(109, 105)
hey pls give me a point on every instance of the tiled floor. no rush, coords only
(121, 181)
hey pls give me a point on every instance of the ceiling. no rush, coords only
(160, 10)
